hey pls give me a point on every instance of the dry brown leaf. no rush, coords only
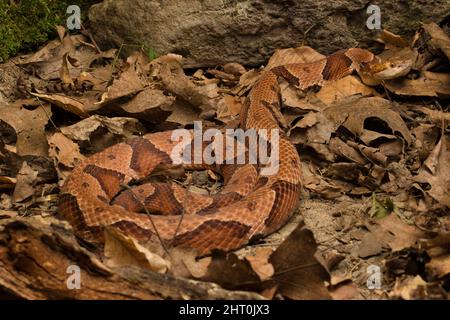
(344, 291)
(7, 183)
(26, 178)
(69, 104)
(435, 171)
(342, 88)
(182, 113)
(233, 273)
(410, 288)
(439, 38)
(436, 116)
(429, 84)
(259, 260)
(313, 180)
(369, 246)
(369, 108)
(64, 151)
(439, 266)
(234, 68)
(64, 72)
(228, 108)
(150, 105)
(131, 81)
(185, 264)
(29, 126)
(391, 40)
(82, 130)
(297, 272)
(121, 250)
(168, 70)
(393, 232)
(302, 54)
(342, 149)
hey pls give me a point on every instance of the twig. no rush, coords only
(150, 217)
(48, 116)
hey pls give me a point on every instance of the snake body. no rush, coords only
(250, 205)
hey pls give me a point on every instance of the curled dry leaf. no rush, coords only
(64, 73)
(122, 251)
(82, 131)
(66, 103)
(391, 40)
(131, 81)
(168, 70)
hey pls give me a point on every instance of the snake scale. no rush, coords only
(249, 205)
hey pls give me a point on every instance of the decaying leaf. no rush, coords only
(380, 209)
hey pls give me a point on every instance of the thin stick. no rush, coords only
(48, 116)
(150, 217)
(181, 215)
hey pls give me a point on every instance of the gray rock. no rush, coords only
(211, 32)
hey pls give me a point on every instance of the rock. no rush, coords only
(211, 32)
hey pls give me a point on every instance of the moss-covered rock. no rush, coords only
(25, 24)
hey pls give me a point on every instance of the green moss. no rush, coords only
(26, 24)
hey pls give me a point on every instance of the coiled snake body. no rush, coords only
(250, 204)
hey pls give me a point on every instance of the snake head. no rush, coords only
(393, 65)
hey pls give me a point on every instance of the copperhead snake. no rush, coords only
(249, 205)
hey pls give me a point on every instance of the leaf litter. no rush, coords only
(375, 164)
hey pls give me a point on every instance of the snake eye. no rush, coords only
(391, 65)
